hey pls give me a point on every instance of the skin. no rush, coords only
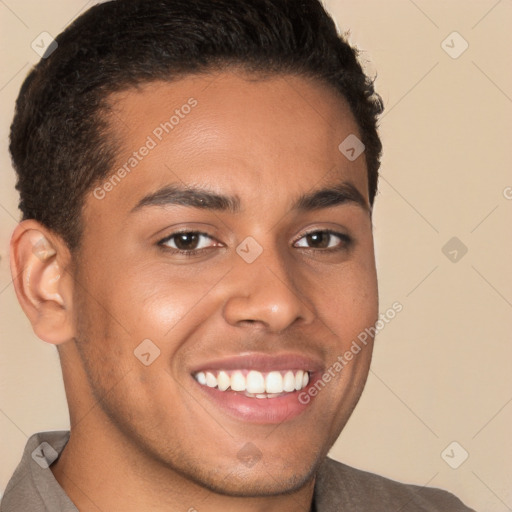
(149, 431)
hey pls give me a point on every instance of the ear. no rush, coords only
(40, 263)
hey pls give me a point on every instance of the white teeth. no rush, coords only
(260, 395)
(289, 382)
(238, 381)
(298, 380)
(255, 384)
(211, 380)
(223, 381)
(274, 382)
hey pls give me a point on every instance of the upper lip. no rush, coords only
(262, 362)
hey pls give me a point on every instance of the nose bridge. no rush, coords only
(265, 288)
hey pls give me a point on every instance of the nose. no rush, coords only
(265, 292)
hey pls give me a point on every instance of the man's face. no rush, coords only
(239, 311)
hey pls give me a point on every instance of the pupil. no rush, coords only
(187, 238)
(322, 237)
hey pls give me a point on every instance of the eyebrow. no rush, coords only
(195, 197)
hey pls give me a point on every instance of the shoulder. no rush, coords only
(339, 485)
(32, 485)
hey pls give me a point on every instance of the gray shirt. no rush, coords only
(33, 487)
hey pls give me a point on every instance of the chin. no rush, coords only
(245, 483)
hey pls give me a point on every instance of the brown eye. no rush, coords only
(324, 239)
(186, 241)
(319, 240)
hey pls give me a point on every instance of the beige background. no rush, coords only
(441, 370)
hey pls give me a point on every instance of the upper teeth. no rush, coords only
(254, 381)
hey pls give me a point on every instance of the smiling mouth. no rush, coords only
(258, 388)
(253, 383)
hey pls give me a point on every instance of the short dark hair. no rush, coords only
(60, 142)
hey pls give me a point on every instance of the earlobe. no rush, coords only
(39, 260)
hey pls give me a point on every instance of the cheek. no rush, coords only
(144, 300)
(349, 301)
(160, 301)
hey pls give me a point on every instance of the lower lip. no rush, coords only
(257, 410)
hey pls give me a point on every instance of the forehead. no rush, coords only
(231, 132)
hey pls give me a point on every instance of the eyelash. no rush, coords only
(345, 243)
